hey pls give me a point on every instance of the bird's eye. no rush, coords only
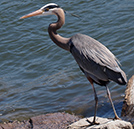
(46, 9)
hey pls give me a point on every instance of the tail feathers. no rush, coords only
(123, 78)
(118, 77)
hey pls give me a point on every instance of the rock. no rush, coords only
(128, 104)
(48, 121)
(53, 121)
(104, 124)
(16, 125)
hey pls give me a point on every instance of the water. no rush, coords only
(38, 77)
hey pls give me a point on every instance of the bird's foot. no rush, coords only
(86, 125)
(116, 118)
(92, 123)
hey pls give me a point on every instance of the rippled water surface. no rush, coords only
(38, 77)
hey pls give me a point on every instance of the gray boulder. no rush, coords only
(104, 124)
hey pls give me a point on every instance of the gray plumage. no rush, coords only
(96, 60)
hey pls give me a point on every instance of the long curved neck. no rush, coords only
(56, 38)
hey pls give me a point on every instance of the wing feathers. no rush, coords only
(94, 58)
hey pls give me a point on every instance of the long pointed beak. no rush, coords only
(35, 13)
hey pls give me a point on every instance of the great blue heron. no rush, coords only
(97, 63)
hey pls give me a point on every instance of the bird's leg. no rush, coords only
(109, 96)
(96, 102)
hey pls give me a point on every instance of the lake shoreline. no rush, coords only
(59, 120)
(62, 120)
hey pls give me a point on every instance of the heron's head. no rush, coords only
(48, 9)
